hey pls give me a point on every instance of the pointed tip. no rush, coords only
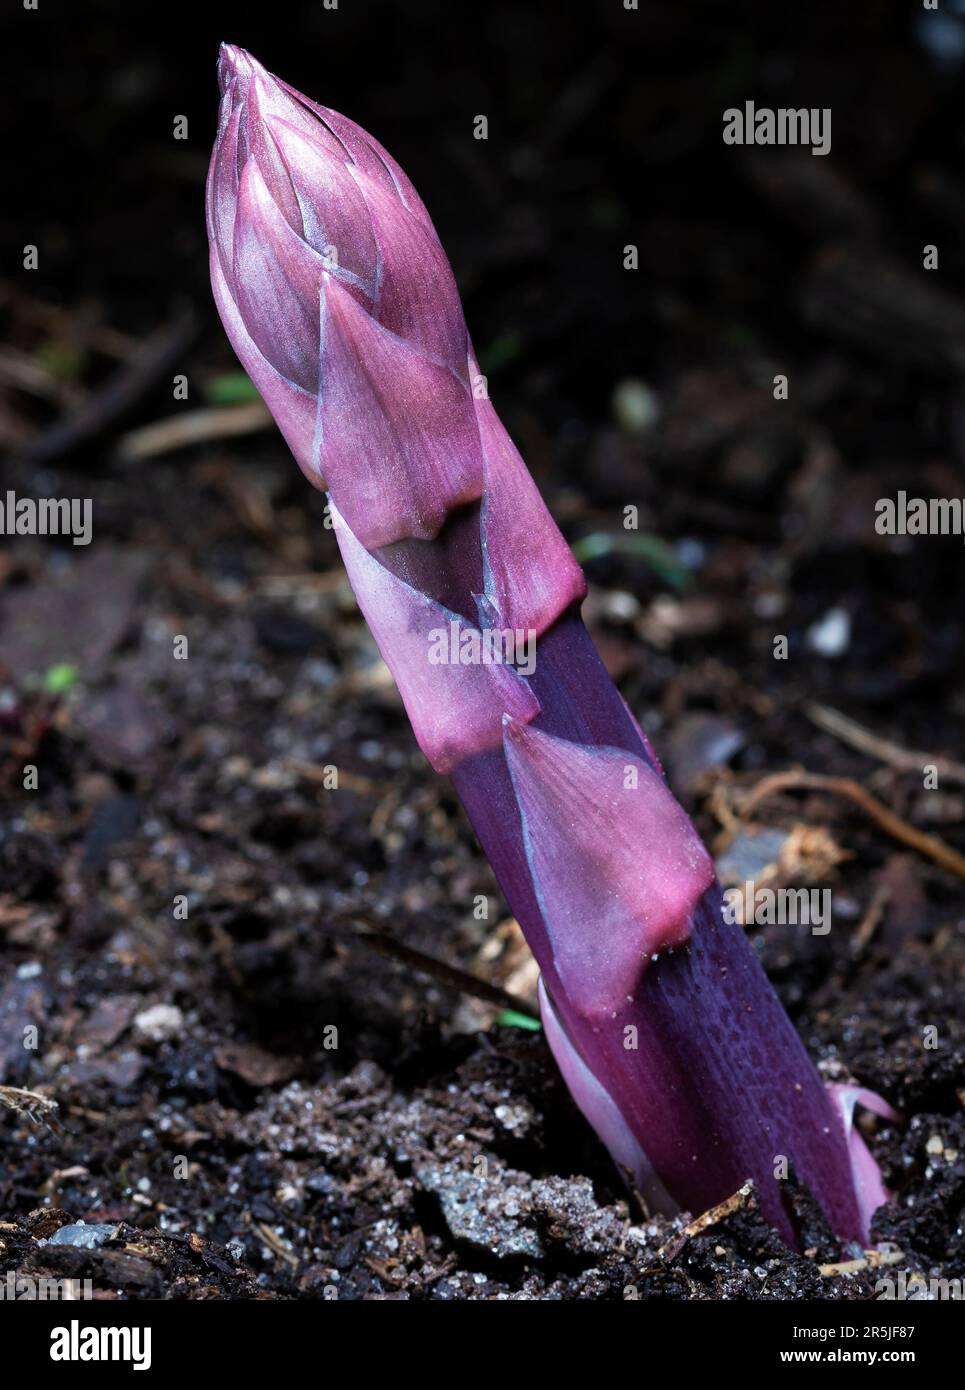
(234, 61)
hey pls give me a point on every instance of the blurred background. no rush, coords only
(306, 909)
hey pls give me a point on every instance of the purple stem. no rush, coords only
(725, 1085)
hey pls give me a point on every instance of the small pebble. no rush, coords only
(160, 1022)
(82, 1236)
(636, 406)
(830, 635)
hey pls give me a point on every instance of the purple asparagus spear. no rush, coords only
(338, 299)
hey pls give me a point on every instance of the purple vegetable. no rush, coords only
(341, 305)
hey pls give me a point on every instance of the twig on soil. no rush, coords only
(194, 427)
(274, 1243)
(798, 780)
(450, 976)
(79, 324)
(353, 782)
(872, 917)
(26, 374)
(737, 1201)
(872, 1259)
(903, 759)
(162, 350)
(224, 947)
(291, 585)
(39, 1108)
